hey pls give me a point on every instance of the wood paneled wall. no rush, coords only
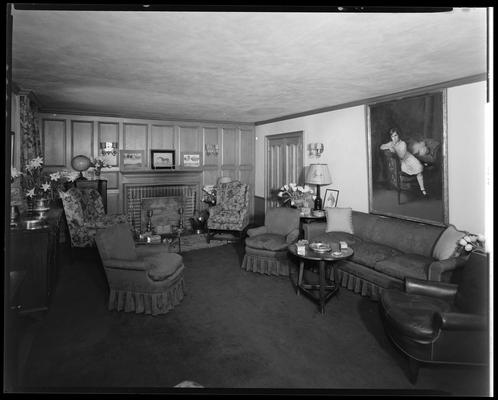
(65, 136)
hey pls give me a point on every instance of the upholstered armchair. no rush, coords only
(231, 212)
(142, 279)
(438, 322)
(266, 246)
(85, 214)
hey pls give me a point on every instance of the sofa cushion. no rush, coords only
(404, 265)
(369, 253)
(406, 236)
(336, 237)
(267, 241)
(447, 245)
(339, 219)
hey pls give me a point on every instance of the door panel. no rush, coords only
(284, 163)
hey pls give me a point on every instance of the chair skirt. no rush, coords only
(266, 261)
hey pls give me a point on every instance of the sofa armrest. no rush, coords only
(460, 321)
(138, 265)
(441, 270)
(442, 290)
(292, 236)
(314, 229)
(257, 231)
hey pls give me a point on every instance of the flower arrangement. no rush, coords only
(98, 163)
(293, 195)
(472, 242)
(38, 184)
(210, 194)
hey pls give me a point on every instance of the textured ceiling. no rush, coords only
(236, 66)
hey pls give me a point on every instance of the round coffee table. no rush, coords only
(326, 291)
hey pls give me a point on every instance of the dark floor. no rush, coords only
(234, 330)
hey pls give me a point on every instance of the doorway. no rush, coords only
(284, 163)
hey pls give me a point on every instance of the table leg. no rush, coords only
(322, 286)
(179, 242)
(300, 278)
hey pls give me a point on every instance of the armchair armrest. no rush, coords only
(439, 270)
(138, 265)
(442, 290)
(257, 231)
(461, 321)
(314, 229)
(292, 236)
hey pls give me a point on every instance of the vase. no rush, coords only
(41, 206)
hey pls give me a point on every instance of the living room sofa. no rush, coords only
(387, 250)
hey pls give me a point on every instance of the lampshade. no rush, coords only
(318, 174)
(80, 163)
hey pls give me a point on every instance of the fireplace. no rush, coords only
(140, 188)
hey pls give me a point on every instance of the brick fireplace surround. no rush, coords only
(139, 185)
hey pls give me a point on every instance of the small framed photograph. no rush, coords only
(331, 196)
(162, 159)
(131, 160)
(191, 159)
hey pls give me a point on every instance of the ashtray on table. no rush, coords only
(320, 247)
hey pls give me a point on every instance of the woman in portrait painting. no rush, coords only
(409, 163)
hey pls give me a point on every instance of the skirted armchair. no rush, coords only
(231, 212)
(266, 246)
(144, 279)
(85, 214)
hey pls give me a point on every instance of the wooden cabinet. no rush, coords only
(99, 184)
(33, 264)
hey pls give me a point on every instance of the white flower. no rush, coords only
(481, 237)
(14, 173)
(462, 242)
(280, 194)
(36, 162)
(73, 176)
(467, 239)
(45, 186)
(468, 247)
(30, 192)
(55, 176)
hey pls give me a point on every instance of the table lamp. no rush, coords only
(318, 174)
(80, 163)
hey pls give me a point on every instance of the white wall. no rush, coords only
(344, 135)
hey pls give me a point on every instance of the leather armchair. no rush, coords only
(142, 279)
(266, 246)
(231, 212)
(438, 322)
(85, 214)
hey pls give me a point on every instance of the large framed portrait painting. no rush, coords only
(408, 157)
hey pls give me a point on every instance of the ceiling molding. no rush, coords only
(48, 110)
(442, 85)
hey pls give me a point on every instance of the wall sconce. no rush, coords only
(212, 149)
(109, 148)
(315, 149)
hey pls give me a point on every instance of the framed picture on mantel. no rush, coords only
(191, 159)
(162, 159)
(131, 160)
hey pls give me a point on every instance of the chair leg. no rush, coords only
(300, 277)
(413, 368)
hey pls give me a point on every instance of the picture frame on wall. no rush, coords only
(407, 157)
(191, 159)
(162, 159)
(131, 160)
(331, 197)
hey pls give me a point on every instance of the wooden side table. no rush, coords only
(309, 219)
(325, 291)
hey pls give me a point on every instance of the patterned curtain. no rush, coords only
(30, 133)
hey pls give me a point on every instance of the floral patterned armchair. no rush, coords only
(231, 212)
(85, 214)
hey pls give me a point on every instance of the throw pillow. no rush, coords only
(447, 244)
(339, 219)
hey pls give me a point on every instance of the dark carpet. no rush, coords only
(234, 330)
